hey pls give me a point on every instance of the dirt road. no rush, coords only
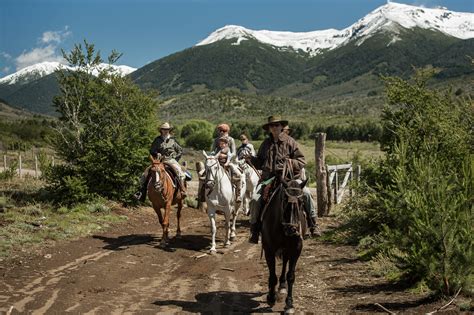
(123, 271)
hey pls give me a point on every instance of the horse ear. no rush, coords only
(205, 154)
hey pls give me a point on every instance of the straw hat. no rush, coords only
(273, 120)
(166, 125)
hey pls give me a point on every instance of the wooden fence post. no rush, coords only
(4, 162)
(19, 165)
(336, 185)
(36, 166)
(321, 175)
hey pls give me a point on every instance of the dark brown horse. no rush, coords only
(283, 226)
(163, 192)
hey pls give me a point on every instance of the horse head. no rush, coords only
(293, 214)
(211, 166)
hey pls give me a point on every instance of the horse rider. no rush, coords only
(309, 207)
(245, 148)
(224, 156)
(223, 131)
(276, 150)
(171, 152)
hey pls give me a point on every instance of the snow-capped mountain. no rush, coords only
(389, 17)
(39, 70)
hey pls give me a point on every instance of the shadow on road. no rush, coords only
(189, 242)
(219, 302)
(124, 241)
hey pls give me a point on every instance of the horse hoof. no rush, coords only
(226, 245)
(232, 238)
(178, 235)
(212, 252)
(290, 310)
(271, 300)
(282, 291)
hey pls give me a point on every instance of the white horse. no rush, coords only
(219, 196)
(251, 178)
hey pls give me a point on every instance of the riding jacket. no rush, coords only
(272, 155)
(169, 148)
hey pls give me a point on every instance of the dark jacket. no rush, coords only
(168, 148)
(272, 155)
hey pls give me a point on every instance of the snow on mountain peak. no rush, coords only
(43, 69)
(387, 17)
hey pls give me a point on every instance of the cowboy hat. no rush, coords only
(275, 120)
(166, 125)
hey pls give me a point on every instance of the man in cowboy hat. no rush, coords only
(171, 152)
(275, 151)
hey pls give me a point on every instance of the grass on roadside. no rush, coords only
(28, 223)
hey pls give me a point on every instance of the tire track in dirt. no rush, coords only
(41, 284)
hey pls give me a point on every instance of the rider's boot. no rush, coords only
(141, 194)
(314, 227)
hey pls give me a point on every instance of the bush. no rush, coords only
(200, 140)
(418, 200)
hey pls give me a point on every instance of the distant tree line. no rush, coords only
(23, 134)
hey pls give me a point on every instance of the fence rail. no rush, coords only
(24, 168)
(339, 190)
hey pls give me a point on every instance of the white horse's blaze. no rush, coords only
(219, 198)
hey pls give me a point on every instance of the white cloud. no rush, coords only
(47, 49)
(5, 55)
(55, 36)
(6, 70)
(36, 55)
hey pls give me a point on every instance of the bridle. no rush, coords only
(211, 174)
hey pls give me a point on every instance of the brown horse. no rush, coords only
(163, 193)
(283, 226)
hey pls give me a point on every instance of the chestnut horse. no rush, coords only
(163, 193)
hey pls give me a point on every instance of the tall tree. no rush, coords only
(106, 125)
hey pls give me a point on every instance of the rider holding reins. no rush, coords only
(171, 152)
(276, 150)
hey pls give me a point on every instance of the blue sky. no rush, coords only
(32, 31)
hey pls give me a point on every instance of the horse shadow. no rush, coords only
(219, 302)
(188, 242)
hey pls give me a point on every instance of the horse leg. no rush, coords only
(233, 221)
(272, 279)
(289, 309)
(228, 228)
(212, 218)
(282, 281)
(178, 216)
(166, 224)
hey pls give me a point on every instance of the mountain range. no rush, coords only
(309, 66)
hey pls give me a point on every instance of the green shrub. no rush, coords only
(200, 140)
(418, 200)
